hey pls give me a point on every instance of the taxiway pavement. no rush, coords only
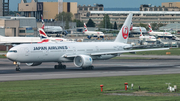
(103, 68)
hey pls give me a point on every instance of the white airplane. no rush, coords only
(19, 40)
(82, 53)
(52, 29)
(136, 30)
(92, 33)
(44, 36)
(160, 34)
(146, 38)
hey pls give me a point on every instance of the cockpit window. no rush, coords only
(14, 51)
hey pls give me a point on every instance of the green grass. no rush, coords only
(131, 58)
(2, 56)
(174, 51)
(3, 51)
(88, 89)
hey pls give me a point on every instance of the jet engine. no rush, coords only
(34, 64)
(83, 61)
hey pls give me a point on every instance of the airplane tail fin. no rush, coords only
(85, 28)
(140, 32)
(124, 32)
(131, 26)
(42, 34)
(150, 28)
(42, 22)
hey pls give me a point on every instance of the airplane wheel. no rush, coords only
(18, 69)
(84, 68)
(56, 67)
(92, 67)
(63, 66)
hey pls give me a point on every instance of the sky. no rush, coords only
(107, 3)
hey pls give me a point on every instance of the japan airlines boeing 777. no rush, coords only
(82, 53)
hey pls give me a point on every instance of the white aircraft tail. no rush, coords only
(85, 28)
(42, 22)
(150, 28)
(124, 32)
(140, 32)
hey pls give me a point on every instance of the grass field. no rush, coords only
(173, 51)
(88, 89)
(2, 56)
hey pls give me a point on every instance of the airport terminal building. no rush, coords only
(167, 13)
(47, 9)
(18, 26)
(145, 17)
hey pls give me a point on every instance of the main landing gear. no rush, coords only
(60, 66)
(88, 68)
(17, 66)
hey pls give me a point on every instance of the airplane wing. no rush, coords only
(115, 52)
(129, 51)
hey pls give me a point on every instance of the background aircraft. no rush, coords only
(146, 38)
(52, 29)
(92, 33)
(159, 34)
(81, 53)
(18, 40)
(45, 38)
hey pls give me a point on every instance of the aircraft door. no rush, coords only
(25, 51)
(97, 48)
(74, 50)
(46, 53)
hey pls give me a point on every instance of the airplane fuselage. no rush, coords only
(94, 33)
(147, 38)
(56, 52)
(161, 34)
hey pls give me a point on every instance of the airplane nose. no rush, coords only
(9, 56)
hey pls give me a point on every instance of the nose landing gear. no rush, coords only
(17, 66)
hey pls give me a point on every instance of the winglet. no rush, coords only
(124, 32)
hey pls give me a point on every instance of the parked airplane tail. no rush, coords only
(150, 28)
(42, 22)
(42, 34)
(124, 32)
(85, 28)
(131, 26)
(140, 32)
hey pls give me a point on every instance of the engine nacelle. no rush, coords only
(83, 61)
(34, 64)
